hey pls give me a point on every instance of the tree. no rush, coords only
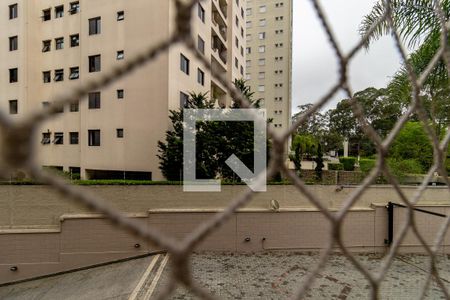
(319, 162)
(315, 125)
(412, 143)
(419, 26)
(215, 141)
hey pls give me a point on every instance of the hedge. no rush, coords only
(335, 167)
(348, 162)
(366, 165)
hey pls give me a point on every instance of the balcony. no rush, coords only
(222, 6)
(219, 25)
(218, 47)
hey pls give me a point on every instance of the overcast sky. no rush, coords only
(314, 65)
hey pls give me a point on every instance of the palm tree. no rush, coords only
(420, 28)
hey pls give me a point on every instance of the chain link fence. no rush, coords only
(18, 152)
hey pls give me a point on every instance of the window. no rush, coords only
(262, 35)
(120, 55)
(249, 11)
(13, 107)
(120, 94)
(59, 75)
(248, 50)
(119, 133)
(248, 76)
(237, 21)
(74, 106)
(94, 63)
(74, 73)
(13, 75)
(201, 13)
(242, 70)
(262, 75)
(94, 26)
(236, 62)
(261, 88)
(236, 42)
(46, 15)
(184, 99)
(59, 11)
(262, 9)
(262, 49)
(248, 24)
(46, 45)
(59, 43)
(200, 45)
(59, 108)
(59, 138)
(45, 104)
(74, 8)
(262, 22)
(13, 41)
(200, 77)
(120, 15)
(184, 64)
(248, 63)
(46, 76)
(74, 138)
(13, 11)
(74, 40)
(94, 137)
(248, 37)
(45, 138)
(262, 62)
(94, 100)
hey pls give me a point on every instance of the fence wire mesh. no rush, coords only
(18, 153)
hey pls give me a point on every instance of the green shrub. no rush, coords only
(348, 162)
(335, 167)
(366, 165)
(401, 168)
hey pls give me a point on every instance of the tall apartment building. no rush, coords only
(269, 57)
(49, 47)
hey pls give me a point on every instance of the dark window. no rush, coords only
(94, 100)
(120, 94)
(94, 63)
(184, 64)
(94, 26)
(59, 75)
(120, 55)
(94, 137)
(59, 108)
(59, 11)
(13, 75)
(46, 45)
(13, 43)
(119, 133)
(45, 104)
(120, 15)
(74, 73)
(13, 108)
(73, 138)
(74, 106)
(201, 45)
(59, 138)
(74, 40)
(74, 7)
(46, 15)
(46, 76)
(45, 138)
(13, 11)
(59, 43)
(200, 77)
(201, 13)
(184, 98)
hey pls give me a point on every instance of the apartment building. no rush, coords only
(49, 47)
(269, 57)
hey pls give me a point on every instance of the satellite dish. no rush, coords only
(274, 205)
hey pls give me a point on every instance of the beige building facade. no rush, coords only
(269, 57)
(50, 47)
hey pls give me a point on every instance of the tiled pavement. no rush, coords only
(276, 275)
